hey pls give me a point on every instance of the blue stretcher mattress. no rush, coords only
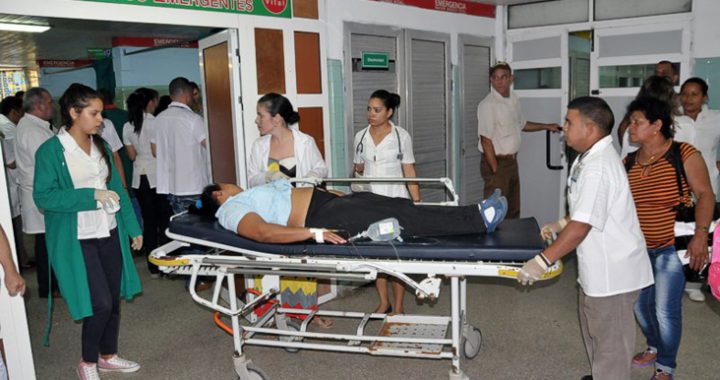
(514, 240)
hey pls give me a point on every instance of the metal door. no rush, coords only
(475, 58)
(540, 66)
(220, 69)
(427, 107)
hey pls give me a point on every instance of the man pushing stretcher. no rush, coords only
(278, 213)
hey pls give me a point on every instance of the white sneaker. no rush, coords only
(117, 364)
(695, 295)
(87, 371)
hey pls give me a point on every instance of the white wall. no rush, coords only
(58, 79)
(400, 16)
(706, 32)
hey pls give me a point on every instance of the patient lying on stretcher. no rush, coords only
(279, 213)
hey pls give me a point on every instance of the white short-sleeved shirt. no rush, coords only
(145, 163)
(87, 171)
(613, 258)
(182, 167)
(704, 134)
(384, 160)
(9, 130)
(31, 133)
(501, 120)
(110, 136)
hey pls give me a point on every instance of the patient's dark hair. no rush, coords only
(206, 205)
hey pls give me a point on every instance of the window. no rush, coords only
(537, 79)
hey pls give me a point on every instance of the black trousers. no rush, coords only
(155, 212)
(354, 212)
(43, 267)
(103, 262)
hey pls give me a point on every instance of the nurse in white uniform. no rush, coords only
(383, 149)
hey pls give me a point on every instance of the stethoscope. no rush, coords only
(360, 147)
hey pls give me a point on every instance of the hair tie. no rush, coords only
(198, 204)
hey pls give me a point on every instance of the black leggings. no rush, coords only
(354, 212)
(103, 263)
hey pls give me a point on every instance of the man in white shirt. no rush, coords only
(500, 122)
(10, 114)
(613, 263)
(179, 142)
(33, 130)
(109, 134)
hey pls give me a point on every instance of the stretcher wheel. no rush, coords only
(471, 342)
(255, 373)
(292, 325)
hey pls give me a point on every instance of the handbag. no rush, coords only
(685, 219)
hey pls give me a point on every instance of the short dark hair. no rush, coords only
(500, 65)
(595, 109)
(206, 205)
(33, 97)
(698, 81)
(673, 67)
(9, 104)
(179, 85)
(654, 109)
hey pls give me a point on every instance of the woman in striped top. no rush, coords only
(653, 182)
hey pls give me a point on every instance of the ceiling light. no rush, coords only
(23, 27)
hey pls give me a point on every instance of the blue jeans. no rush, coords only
(180, 203)
(659, 308)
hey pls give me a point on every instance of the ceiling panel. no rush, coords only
(69, 39)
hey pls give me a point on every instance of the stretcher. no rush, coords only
(260, 320)
(440, 337)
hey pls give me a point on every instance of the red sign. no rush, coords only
(275, 6)
(153, 42)
(454, 6)
(63, 62)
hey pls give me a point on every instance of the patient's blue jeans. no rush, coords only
(659, 308)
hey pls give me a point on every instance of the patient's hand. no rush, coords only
(332, 237)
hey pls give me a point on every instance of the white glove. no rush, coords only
(107, 198)
(532, 270)
(274, 175)
(551, 230)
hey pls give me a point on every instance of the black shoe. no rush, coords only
(586, 377)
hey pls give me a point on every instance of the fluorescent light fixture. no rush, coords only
(23, 27)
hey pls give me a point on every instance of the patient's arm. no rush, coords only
(252, 226)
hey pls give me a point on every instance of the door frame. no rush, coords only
(457, 138)
(413, 34)
(563, 92)
(230, 36)
(350, 28)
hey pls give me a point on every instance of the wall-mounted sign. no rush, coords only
(98, 53)
(64, 62)
(153, 42)
(274, 8)
(375, 60)
(454, 6)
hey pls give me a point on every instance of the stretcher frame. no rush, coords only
(465, 340)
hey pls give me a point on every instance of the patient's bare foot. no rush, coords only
(323, 323)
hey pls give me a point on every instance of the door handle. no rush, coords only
(547, 153)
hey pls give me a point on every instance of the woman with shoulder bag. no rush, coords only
(654, 181)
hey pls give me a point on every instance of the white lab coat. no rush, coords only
(9, 130)
(382, 160)
(309, 161)
(31, 133)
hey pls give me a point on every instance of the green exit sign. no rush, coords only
(375, 60)
(98, 53)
